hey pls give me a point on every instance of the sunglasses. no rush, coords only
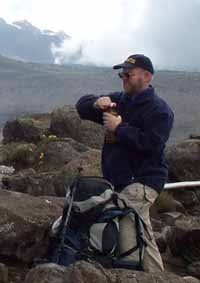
(125, 75)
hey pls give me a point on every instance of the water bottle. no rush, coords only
(110, 136)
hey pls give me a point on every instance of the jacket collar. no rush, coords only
(142, 96)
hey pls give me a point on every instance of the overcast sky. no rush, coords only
(110, 30)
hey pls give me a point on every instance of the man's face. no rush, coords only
(133, 80)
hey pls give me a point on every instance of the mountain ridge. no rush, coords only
(22, 40)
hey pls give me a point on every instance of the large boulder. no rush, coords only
(52, 155)
(30, 128)
(54, 182)
(184, 160)
(65, 122)
(190, 199)
(3, 273)
(49, 273)
(49, 154)
(84, 272)
(53, 152)
(191, 279)
(184, 165)
(165, 202)
(184, 240)
(88, 164)
(194, 269)
(18, 154)
(24, 224)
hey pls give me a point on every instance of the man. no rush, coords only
(134, 163)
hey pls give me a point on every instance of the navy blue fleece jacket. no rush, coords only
(138, 156)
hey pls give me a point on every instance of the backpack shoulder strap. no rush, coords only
(140, 226)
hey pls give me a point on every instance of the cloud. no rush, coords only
(106, 32)
(166, 31)
(171, 33)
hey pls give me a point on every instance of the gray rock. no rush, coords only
(166, 203)
(167, 233)
(3, 273)
(160, 240)
(51, 183)
(28, 129)
(187, 197)
(54, 183)
(156, 224)
(89, 163)
(190, 279)
(7, 170)
(185, 239)
(80, 147)
(184, 160)
(48, 273)
(84, 272)
(24, 224)
(54, 154)
(65, 122)
(194, 269)
(20, 155)
(50, 153)
(169, 218)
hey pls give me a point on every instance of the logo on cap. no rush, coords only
(130, 60)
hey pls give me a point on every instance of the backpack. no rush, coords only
(89, 226)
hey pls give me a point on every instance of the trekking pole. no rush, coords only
(186, 184)
(65, 218)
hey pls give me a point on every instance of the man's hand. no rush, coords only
(104, 103)
(110, 121)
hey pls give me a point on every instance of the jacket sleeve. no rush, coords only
(152, 137)
(86, 110)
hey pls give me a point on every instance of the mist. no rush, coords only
(167, 31)
(105, 32)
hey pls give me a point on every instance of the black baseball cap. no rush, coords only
(137, 60)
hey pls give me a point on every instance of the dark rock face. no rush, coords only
(3, 273)
(28, 129)
(84, 272)
(18, 154)
(37, 184)
(54, 183)
(50, 273)
(185, 239)
(54, 154)
(194, 269)
(184, 160)
(65, 122)
(24, 225)
(190, 279)
(89, 163)
(190, 199)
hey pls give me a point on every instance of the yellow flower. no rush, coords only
(41, 155)
(52, 137)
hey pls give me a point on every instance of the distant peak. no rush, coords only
(2, 21)
(25, 25)
(61, 34)
(48, 32)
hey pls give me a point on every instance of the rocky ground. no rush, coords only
(40, 155)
